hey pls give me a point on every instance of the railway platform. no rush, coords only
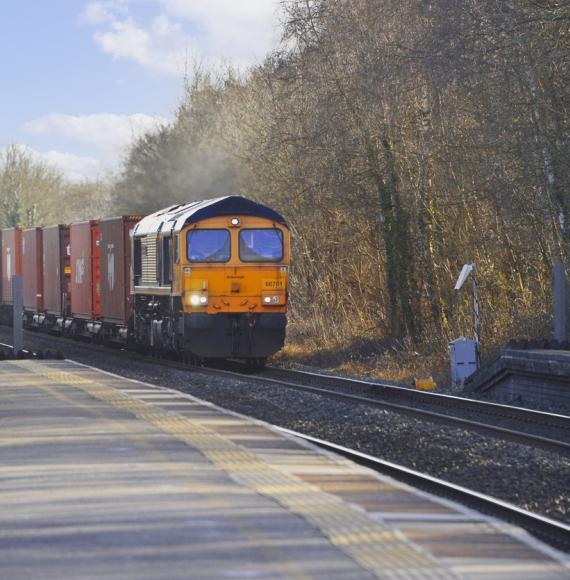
(527, 377)
(106, 477)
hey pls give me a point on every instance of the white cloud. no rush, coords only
(106, 132)
(105, 11)
(162, 48)
(105, 136)
(241, 32)
(97, 13)
(75, 168)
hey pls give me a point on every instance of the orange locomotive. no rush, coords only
(210, 279)
(207, 279)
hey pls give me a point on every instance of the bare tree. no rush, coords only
(29, 189)
(401, 139)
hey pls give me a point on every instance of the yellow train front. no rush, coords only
(210, 280)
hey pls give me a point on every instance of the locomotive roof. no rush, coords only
(176, 217)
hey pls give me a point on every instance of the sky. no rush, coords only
(81, 79)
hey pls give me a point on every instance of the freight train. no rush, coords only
(203, 280)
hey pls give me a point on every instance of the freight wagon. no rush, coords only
(115, 306)
(32, 273)
(11, 261)
(56, 273)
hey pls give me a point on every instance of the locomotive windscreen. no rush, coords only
(261, 245)
(209, 245)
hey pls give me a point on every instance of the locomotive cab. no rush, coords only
(210, 279)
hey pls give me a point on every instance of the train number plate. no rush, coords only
(273, 284)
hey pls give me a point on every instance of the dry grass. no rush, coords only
(347, 347)
(389, 359)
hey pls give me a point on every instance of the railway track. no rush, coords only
(555, 532)
(547, 431)
(437, 406)
(551, 531)
(398, 393)
(558, 426)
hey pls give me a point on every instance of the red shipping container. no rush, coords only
(84, 239)
(32, 269)
(96, 270)
(115, 264)
(11, 260)
(57, 270)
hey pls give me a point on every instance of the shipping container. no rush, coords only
(32, 269)
(115, 281)
(11, 261)
(96, 270)
(57, 271)
(84, 241)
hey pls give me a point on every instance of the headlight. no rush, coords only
(198, 300)
(273, 299)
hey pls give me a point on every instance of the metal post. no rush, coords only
(476, 319)
(18, 303)
(560, 310)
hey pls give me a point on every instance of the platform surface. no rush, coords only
(105, 477)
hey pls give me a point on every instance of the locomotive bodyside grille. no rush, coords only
(148, 259)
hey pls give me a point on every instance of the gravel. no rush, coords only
(533, 479)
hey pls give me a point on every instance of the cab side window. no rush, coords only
(167, 261)
(137, 261)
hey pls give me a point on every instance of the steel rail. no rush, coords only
(481, 428)
(439, 399)
(485, 429)
(554, 532)
(11, 347)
